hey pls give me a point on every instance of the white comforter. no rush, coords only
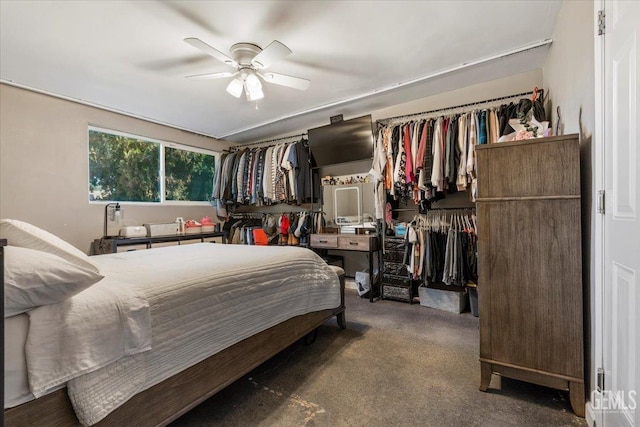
(202, 298)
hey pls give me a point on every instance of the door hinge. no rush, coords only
(601, 22)
(600, 202)
(600, 380)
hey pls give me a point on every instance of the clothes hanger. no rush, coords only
(467, 224)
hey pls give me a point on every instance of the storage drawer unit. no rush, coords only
(396, 283)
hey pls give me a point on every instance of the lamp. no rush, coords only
(112, 213)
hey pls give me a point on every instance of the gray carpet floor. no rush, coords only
(396, 364)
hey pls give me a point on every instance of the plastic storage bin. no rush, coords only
(452, 301)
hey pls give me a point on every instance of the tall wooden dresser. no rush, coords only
(530, 274)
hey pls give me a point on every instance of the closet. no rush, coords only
(530, 287)
(426, 161)
(266, 175)
(437, 259)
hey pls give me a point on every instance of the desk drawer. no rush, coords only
(354, 243)
(329, 241)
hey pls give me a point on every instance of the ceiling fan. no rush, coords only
(249, 61)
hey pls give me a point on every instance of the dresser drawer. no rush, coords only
(354, 243)
(329, 241)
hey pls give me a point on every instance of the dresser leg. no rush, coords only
(576, 397)
(485, 376)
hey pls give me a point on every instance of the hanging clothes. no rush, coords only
(463, 141)
(428, 158)
(376, 172)
(281, 173)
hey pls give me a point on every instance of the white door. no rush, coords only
(621, 287)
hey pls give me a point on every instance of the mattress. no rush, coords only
(16, 387)
(203, 298)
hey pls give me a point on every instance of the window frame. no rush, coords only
(161, 172)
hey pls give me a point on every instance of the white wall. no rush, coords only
(44, 165)
(569, 79)
(517, 83)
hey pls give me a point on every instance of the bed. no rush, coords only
(160, 331)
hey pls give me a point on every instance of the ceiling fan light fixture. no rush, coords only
(253, 87)
(249, 60)
(235, 87)
(253, 94)
(253, 82)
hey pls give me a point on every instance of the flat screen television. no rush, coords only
(342, 142)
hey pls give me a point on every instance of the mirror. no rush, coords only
(347, 206)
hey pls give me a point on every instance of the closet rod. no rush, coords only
(258, 215)
(451, 210)
(247, 215)
(268, 141)
(406, 116)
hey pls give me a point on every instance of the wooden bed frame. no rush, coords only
(173, 397)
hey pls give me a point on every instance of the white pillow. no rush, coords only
(33, 278)
(25, 235)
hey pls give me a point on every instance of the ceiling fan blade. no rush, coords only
(284, 80)
(211, 76)
(270, 54)
(199, 44)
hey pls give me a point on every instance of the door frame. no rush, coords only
(594, 417)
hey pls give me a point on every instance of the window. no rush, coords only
(129, 168)
(188, 174)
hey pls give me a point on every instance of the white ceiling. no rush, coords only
(360, 56)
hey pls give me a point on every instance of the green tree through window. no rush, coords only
(128, 169)
(123, 169)
(188, 175)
